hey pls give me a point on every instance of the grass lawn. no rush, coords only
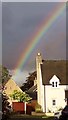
(31, 117)
(20, 116)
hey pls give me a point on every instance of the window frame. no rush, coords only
(55, 84)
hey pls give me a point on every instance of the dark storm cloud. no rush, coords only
(23, 0)
(67, 30)
(0, 33)
(19, 22)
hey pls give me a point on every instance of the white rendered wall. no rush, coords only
(57, 94)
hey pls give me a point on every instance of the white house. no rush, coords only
(52, 83)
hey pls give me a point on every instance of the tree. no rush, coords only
(4, 75)
(6, 108)
(29, 82)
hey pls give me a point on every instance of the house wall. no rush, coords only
(45, 95)
(57, 94)
(10, 86)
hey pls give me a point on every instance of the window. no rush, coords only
(53, 102)
(56, 84)
(52, 84)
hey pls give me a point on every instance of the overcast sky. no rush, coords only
(33, 0)
(0, 33)
(19, 22)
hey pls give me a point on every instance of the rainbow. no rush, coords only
(36, 38)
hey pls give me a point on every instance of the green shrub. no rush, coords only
(38, 108)
(20, 96)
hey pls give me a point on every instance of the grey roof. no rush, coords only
(32, 89)
(55, 67)
(32, 92)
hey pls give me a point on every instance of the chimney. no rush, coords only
(40, 87)
(38, 59)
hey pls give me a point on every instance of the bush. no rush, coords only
(38, 108)
(20, 96)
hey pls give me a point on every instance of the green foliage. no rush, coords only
(38, 108)
(29, 81)
(4, 75)
(20, 96)
(5, 104)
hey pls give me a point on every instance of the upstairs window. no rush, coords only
(55, 81)
(54, 84)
